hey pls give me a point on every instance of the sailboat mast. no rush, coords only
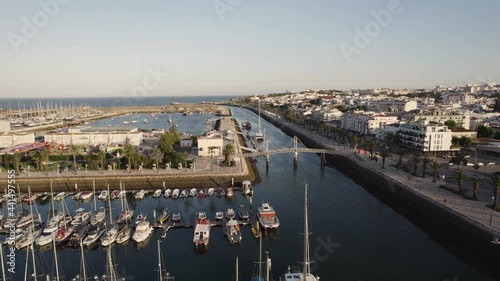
(259, 116)
(260, 256)
(55, 258)
(1, 261)
(306, 239)
(83, 262)
(109, 204)
(268, 263)
(52, 199)
(237, 273)
(159, 261)
(95, 203)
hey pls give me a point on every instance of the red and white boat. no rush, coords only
(201, 236)
(86, 195)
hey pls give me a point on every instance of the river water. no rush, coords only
(354, 235)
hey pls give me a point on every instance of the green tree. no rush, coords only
(102, 158)
(435, 166)
(158, 155)
(484, 131)
(44, 156)
(17, 159)
(129, 153)
(74, 151)
(465, 141)
(451, 124)
(36, 156)
(414, 161)
(370, 146)
(227, 151)
(459, 159)
(455, 140)
(495, 180)
(401, 152)
(496, 106)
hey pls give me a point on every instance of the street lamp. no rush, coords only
(86, 166)
(29, 175)
(114, 170)
(218, 166)
(170, 167)
(57, 170)
(142, 168)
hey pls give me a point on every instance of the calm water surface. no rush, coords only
(365, 239)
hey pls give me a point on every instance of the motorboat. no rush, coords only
(142, 231)
(201, 193)
(230, 214)
(233, 232)
(53, 223)
(246, 188)
(167, 193)
(77, 196)
(63, 234)
(139, 195)
(229, 192)
(43, 240)
(267, 216)
(114, 194)
(157, 193)
(94, 233)
(103, 195)
(184, 194)
(201, 215)
(192, 193)
(141, 217)
(27, 239)
(86, 195)
(121, 194)
(219, 216)
(110, 236)
(98, 217)
(256, 229)
(125, 215)
(243, 213)
(201, 235)
(77, 236)
(211, 191)
(25, 220)
(164, 216)
(176, 217)
(175, 194)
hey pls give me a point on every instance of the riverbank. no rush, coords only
(463, 227)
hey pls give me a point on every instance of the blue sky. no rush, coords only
(103, 48)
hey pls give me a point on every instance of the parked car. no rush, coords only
(470, 164)
(490, 163)
(480, 163)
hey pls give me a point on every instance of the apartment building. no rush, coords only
(366, 123)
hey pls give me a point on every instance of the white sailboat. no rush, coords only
(100, 215)
(306, 274)
(112, 230)
(126, 214)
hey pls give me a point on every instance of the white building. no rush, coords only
(205, 143)
(425, 137)
(10, 139)
(440, 116)
(95, 138)
(458, 98)
(4, 126)
(366, 123)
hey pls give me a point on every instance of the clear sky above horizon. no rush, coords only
(103, 48)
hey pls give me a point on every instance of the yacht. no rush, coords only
(305, 274)
(211, 191)
(168, 192)
(192, 193)
(110, 236)
(201, 235)
(233, 232)
(140, 218)
(142, 231)
(202, 215)
(267, 216)
(230, 192)
(81, 217)
(175, 194)
(157, 193)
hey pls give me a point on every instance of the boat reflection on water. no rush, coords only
(144, 243)
(270, 233)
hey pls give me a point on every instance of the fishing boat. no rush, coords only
(267, 216)
(233, 232)
(94, 233)
(305, 274)
(175, 194)
(157, 193)
(139, 195)
(164, 216)
(219, 216)
(167, 193)
(230, 214)
(192, 193)
(246, 188)
(243, 213)
(201, 235)
(142, 231)
(176, 217)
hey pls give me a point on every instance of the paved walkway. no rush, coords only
(424, 187)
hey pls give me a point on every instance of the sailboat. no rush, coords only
(100, 215)
(258, 275)
(111, 233)
(163, 274)
(259, 135)
(306, 274)
(126, 214)
(247, 125)
(169, 118)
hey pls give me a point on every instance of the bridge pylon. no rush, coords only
(295, 151)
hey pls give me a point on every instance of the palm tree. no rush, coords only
(37, 158)
(102, 157)
(461, 177)
(384, 154)
(74, 150)
(476, 182)
(435, 166)
(414, 161)
(227, 151)
(211, 150)
(355, 140)
(157, 156)
(17, 159)
(495, 180)
(370, 146)
(44, 156)
(129, 153)
(400, 152)
(459, 159)
(425, 161)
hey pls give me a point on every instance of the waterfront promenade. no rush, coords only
(474, 211)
